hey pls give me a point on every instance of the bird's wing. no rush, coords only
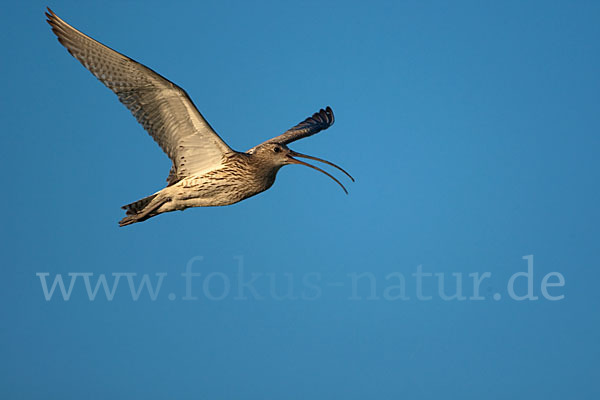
(163, 108)
(319, 121)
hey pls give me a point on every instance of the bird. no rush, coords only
(205, 170)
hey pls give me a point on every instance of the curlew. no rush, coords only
(205, 171)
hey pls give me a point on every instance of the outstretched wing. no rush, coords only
(311, 125)
(163, 108)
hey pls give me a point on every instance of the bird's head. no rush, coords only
(276, 155)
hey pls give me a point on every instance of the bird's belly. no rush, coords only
(210, 192)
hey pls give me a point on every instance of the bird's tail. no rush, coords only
(141, 210)
(138, 206)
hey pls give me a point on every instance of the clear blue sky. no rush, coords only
(472, 129)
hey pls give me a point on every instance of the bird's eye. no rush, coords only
(277, 149)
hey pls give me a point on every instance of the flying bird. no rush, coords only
(205, 171)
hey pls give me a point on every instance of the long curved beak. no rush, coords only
(294, 161)
(293, 153)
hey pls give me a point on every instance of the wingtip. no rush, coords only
(49, 13)
(51, 17)
(329, 112)
(327, 115)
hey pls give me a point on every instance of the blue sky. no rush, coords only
(471, 129)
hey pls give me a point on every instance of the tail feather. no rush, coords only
(128, 220)
(142, 209)
(138, 206)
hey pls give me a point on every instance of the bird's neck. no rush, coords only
(261, 173)
(266, 175)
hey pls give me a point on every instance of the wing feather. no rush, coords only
(161, 107)
(314, 124)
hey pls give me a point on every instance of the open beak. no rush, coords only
(294, 161)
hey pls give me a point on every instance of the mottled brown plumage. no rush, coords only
(205, 171)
